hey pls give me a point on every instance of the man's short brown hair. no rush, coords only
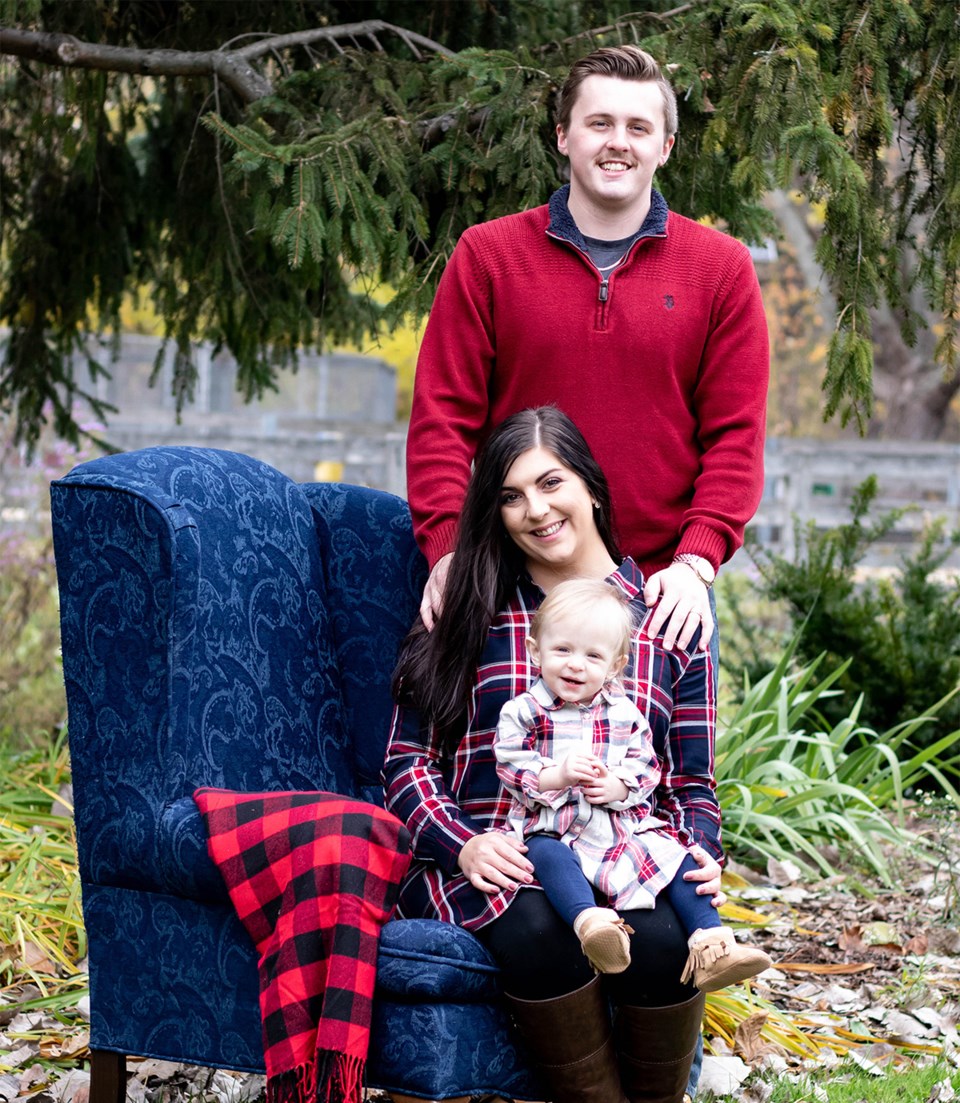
(625, 63)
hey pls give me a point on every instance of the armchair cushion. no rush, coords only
(424, 959)
(185, 868)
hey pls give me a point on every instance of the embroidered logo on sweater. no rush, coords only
(668, 302)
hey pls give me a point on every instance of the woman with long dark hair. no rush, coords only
(537, 511)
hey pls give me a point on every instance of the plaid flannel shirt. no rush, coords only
(446, 801)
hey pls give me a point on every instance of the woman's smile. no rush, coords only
(550, 530)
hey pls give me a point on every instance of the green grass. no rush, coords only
(848, 1083)
(42, 938)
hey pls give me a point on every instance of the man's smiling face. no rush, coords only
(615, 142)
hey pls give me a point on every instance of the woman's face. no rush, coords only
(548, 513)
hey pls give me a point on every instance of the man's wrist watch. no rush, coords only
(701, 567)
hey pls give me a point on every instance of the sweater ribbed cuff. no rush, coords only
(439, 543)
(703, 541)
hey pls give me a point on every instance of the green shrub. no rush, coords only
(893, 640)
(32, 699)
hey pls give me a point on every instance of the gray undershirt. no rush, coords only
(606, 255)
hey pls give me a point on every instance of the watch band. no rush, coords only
(693, 562)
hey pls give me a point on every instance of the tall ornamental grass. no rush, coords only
(794, 786)
(42, 938)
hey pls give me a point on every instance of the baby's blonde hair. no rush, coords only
(583, 597)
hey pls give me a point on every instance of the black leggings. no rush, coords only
(541, 957)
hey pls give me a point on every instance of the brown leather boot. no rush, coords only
(570, 1042)
(655, 1047)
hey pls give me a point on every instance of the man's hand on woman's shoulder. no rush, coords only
(682, 604)
(433, 592)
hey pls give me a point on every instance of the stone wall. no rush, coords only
(814, 480)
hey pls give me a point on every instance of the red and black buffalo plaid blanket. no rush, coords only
(313, 877)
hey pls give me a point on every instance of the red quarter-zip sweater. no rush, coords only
(663, 367)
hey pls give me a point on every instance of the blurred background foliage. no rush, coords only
(264, 183)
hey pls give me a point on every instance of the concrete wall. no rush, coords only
(814, 480)
(334, 419)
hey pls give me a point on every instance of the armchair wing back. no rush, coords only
(224, 626)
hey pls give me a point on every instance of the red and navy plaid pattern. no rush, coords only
(313, 877)
(446, 802)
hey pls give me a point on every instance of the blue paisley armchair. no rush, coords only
(224, 626)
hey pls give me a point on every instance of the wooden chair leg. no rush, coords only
(108, 1076)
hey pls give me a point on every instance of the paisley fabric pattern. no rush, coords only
(373, 578)
(461, 969)
(425, 1049)
(223, 626)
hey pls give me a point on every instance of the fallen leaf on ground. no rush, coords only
(783, 872)
(33, 959)
(850, 940)
(32, 1077)
(75, 1045)
(831, 968)
(881, 934)
(747, 1042)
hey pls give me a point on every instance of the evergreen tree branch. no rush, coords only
(232, 67)
(367, 29)
(65, 51)
(625, 21)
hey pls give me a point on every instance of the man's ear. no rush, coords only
(667, 147)
(561, 140)
(533, 650)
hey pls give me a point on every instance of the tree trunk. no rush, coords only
(913, 396)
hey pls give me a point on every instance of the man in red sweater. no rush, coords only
(645, 327)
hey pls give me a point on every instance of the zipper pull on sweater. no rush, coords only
(604, 289)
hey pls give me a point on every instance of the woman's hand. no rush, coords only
(494, 861)
(680, 596)
(708, 875)
(433, 592)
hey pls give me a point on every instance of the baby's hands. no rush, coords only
(604, 788)
(579, 768)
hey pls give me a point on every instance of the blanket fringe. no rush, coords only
(330, 1078)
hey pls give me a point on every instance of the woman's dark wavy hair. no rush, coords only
(437, 669)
